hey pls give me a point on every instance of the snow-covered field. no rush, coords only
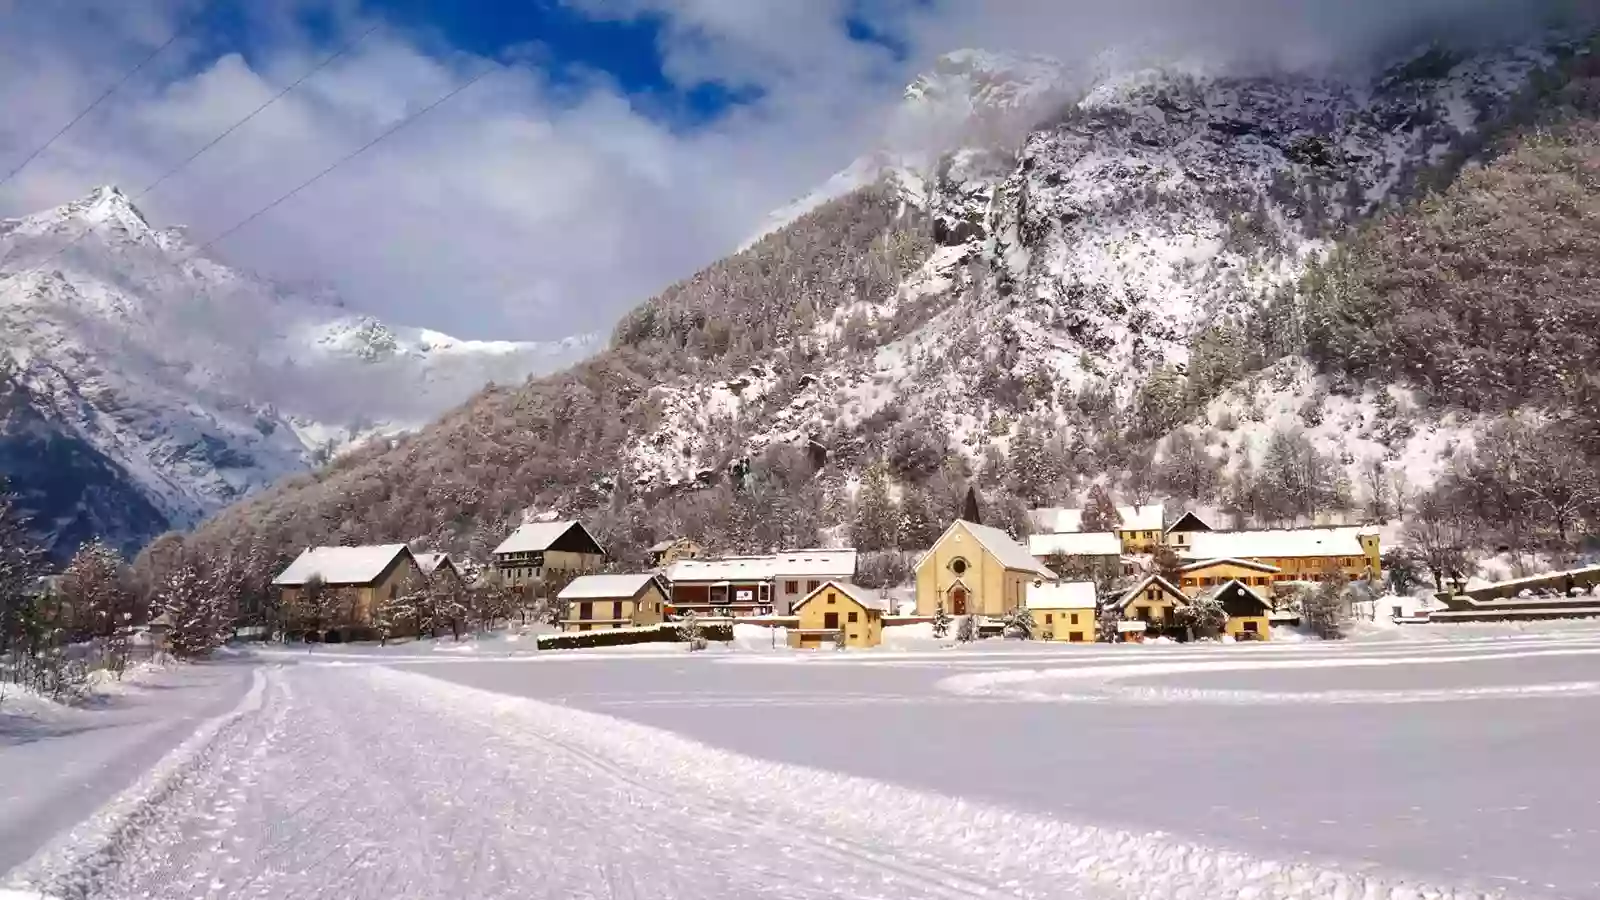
(1448, 767)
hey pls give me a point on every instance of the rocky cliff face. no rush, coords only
(148, 386)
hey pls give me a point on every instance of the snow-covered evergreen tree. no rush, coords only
(1019, 623)
(941, 621)
(967, 631)
(691, 632)
(1099, 511)
(100, 602)
(876, 519)
(195, 612)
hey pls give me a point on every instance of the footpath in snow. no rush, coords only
(362, 781)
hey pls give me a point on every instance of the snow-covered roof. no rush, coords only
(1076, 543)
(732, 568)
(1150, 517)
(1133, 593)
(1011, 554)
(1277, 544)
(536, 537)
(840, 563)
(1058, 519)
(1060, 595)
(867, 597)
(605, 587)
(340, 565)
(661, 546)
(1230, 561)
(429, 562)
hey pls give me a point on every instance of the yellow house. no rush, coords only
(1154, 602)
(354, 580)
(1249, 613)
(1198, 577)
(838, 608)
(976, 570)
(670, 551)
(1300, 554)
(601, 602)
(547, 551)
(1063, 611)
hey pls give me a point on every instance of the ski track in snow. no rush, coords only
(367, 782)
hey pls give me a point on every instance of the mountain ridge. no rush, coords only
(200, 382)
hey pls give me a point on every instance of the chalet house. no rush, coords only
(546, 552)
(976, 570)
(670, 551)
(797, 573)
(835, 608)
(1063, 611)
(1083, 551)
(1198, 577)
(732, 586)
(1153, 604)
(1249, 613)
(599, 602)
(1179, 534)
(354, 580)
(1300, 554)
(1139, 528)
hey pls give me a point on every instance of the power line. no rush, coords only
(342, 160)
(100, 99)
(327, 61)
(257, 111)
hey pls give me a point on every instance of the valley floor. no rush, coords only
(1001, 770)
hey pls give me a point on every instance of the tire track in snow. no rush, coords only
(1056, 859)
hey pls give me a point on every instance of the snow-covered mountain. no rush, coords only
(1088, 233)
(146, 385)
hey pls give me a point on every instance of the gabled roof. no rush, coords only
(1238, 586)
(1000, 545)
(665, 545)
(1189, 522)
(606, 587)
(1230, 561)
(1276, 544)
(341, 565)
(430, 562)
(1166, 586)
(536, 537)
(868, 598)
(1060, 595)
(1075, 543)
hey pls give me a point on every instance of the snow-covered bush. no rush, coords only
(1323, 611)
(691, 632)
(941, 621)
(1020, 624)
(1204, 616)
(967, 631)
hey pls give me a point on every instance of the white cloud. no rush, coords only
(521, 208)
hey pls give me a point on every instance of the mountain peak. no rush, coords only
(108, 204)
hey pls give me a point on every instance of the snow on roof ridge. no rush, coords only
(606, 585)
(867, 597)
(337, 565)
(1061, 595)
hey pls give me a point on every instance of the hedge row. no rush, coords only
(616, 637)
